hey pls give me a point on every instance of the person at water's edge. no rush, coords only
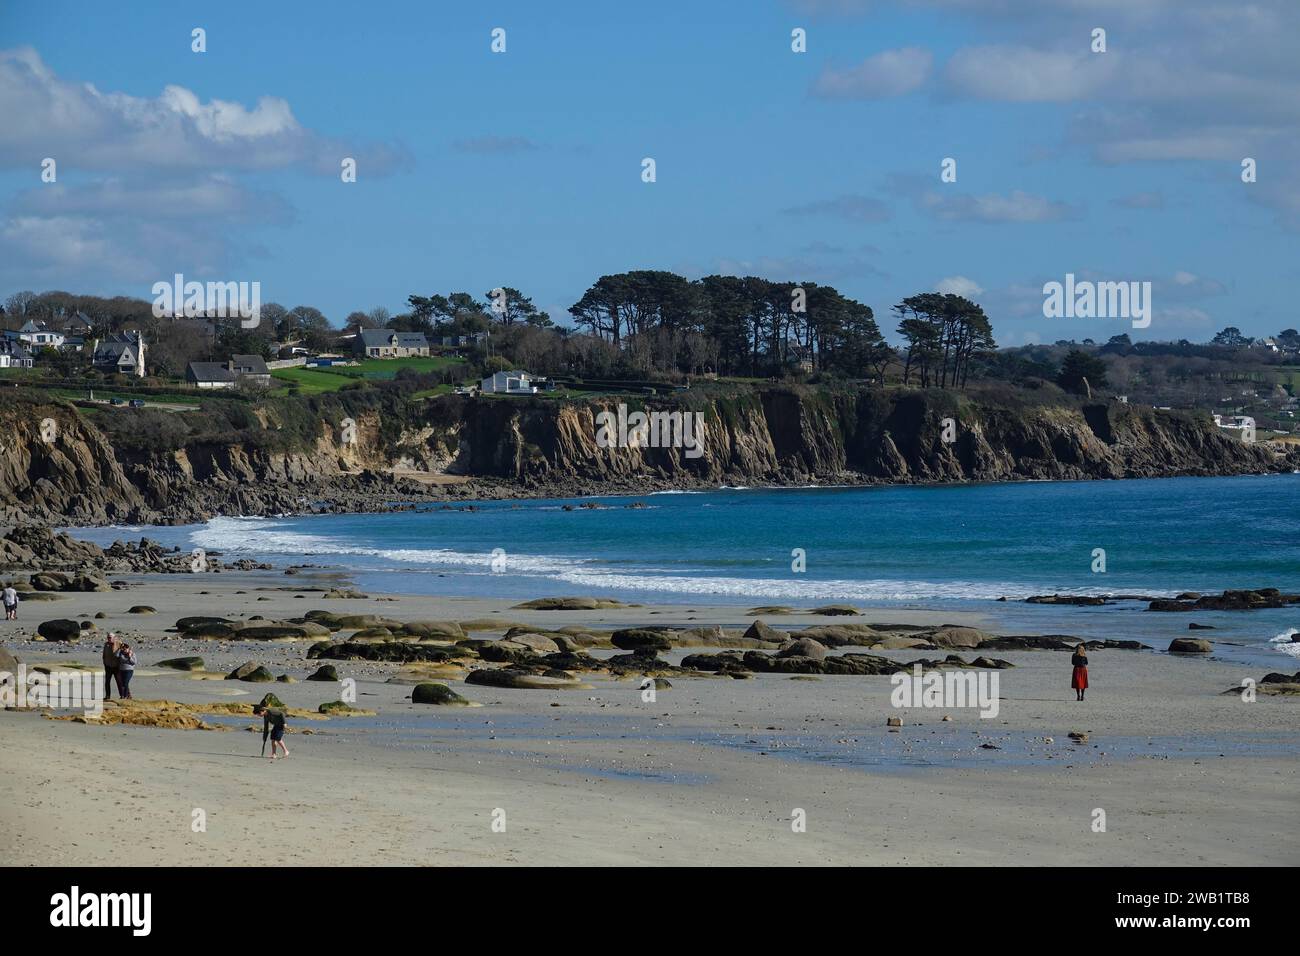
(11, 603)
(1079, 680)
(273, 722)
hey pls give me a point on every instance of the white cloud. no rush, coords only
(212, 197)
(1017, 206)
(958, 285)
(891, 73)
(853, 208)
(80, 126)
(1023, 74)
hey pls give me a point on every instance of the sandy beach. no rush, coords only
(713, 771)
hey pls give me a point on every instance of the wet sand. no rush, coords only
(713, 771)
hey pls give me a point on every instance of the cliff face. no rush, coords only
(788, 435)
(74, 473)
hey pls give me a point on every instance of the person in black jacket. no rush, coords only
(273, 725)
(1079, 679)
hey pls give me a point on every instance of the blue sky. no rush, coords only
(478, 169)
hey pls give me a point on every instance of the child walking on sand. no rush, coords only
(1079, 679)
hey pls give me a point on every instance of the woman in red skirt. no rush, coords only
(1080, 679)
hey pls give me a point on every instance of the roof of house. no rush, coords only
(210, 372)
(11, 346)
(250, 364)
(381, 338)
(113, 352)
(31, 327)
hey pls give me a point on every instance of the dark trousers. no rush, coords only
(110, 678)
(124, 682)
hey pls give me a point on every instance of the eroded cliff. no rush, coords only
(367, 452)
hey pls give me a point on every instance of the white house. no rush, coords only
(512, 383)
(1240, 426)
(13, 354)
(37, 336)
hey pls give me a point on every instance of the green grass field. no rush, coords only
(313, 381)
(101, 394)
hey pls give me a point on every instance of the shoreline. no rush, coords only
(411, 490)
(712, 769)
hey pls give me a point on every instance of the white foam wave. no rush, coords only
(1283, 642)
(269, 537)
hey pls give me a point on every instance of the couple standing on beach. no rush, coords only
(119, 667)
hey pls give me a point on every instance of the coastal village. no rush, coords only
(124, 357)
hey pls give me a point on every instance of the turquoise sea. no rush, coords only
(957, 548)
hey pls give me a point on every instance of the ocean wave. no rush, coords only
(263, 536)
(1284, 643)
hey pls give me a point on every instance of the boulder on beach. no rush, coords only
(182, 663)
(524, 680)
(59, 629)
(436, 694)
(88, 582)
(273, 632)
(569, 604)
(758, 631)
(538, 643)
(209, 630)
(396, 651)
(347, 621)
(444, 629)
(339, 708)
(641, 639)
(1276, 678)
(835, 610)
(49, 581)
(8, 667)
(803, 647)
(953, 636)
(270, 700)
(251, 673)
(842, 635)
(141, 609)
(1190, 645)
(326, 672)
(185, 624)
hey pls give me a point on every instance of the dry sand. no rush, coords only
(712, 772)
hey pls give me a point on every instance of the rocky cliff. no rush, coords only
(61, 464)
(795, 435)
